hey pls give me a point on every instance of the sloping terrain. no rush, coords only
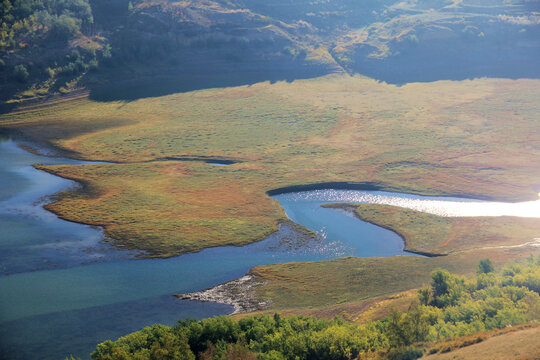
(120, 49)
(522, 345)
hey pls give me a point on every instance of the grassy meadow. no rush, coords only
(513, 344)
(440, 138)
(323, 284)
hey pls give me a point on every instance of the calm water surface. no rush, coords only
(63, 289)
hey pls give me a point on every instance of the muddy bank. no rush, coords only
(382, 186)
(240, 293)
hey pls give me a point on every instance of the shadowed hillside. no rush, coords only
(124, 50)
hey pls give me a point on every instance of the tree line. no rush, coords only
(28, 21)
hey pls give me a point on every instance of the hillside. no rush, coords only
(52, 46)
(112, 47)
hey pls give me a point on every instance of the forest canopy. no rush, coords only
(27, 21)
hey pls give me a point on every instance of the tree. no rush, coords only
(447, 288)
(404, 329)
(485, 266)
(65, 27)
(425, 295)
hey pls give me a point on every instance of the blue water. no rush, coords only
(53, 335)
(64, 289)
(32, 238)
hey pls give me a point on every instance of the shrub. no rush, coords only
(410, 353)
(485, 266)
(65, 27)
(20, 73)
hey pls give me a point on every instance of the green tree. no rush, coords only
(65, 27)
(425, 295)
(404, 329)
(485, 266)
(447, 288)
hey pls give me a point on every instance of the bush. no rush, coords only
(410, 353)
(485, 266)
(20, 73)
(65, 27)
(447, 288)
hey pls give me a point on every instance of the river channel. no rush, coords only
(63, 289)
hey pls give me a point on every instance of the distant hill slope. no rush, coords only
(51, 46)
(206, 43)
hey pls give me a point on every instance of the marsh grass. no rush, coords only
(441, 138)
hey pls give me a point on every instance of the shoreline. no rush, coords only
(379, 186)
(240, 293)
(33, 205)
(350, 208)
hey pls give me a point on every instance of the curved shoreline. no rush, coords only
(350, 208)
(58, 245)
(366, 186)
(379, 186)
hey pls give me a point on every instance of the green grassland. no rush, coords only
(167, 208)
(357, 311)
(441, 138)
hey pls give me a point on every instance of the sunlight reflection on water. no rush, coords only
(437, 206)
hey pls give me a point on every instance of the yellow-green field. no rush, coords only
(359, 311)
(521, 343)
(167, 208)
(446, 137)
(326, 283)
